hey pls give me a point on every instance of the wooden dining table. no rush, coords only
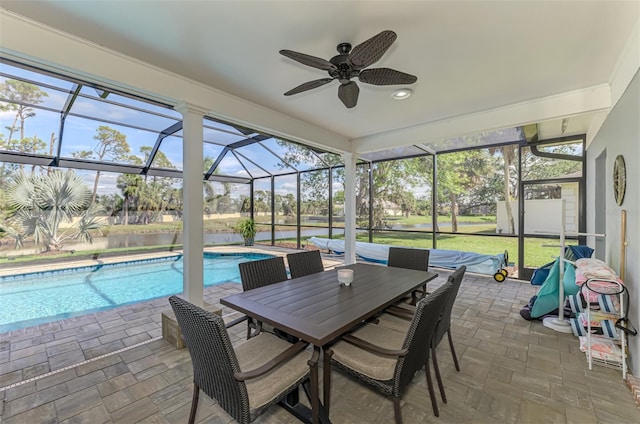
(317, 309)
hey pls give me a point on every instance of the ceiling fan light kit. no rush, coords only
(350, 63)
(402, 94)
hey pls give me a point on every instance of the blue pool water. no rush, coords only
(32, 299)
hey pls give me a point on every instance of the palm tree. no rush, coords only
(39, 204)
(131, 187)
(149, 204)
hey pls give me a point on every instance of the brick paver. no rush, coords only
(512, 370)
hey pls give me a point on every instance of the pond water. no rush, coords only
(163, 239)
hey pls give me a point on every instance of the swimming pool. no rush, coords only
(31, 299)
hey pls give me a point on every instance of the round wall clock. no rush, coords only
(619, 179)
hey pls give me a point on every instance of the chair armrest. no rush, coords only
(282, 357)
(400, 312)
(370, 347)
(236, 321)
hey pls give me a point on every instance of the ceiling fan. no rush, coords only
(350, 63)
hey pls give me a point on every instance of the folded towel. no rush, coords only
(602, 348)
(584, 262)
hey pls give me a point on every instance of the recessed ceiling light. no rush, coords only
(401, 94)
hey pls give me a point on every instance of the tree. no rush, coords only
(174, 201)
(390, 179)
(245, 205)
(160, 160)
(40, 204)
(112, 147)
(362, 195)
(458, 174)
(289, 205)
(314, 185)
(261, 201)
(6, 169)
(19, 96)
(314, 189)
(110, 204)
(539, 167)
(509, 154)
(130, 186)
(150, 203)
(156, 193)
(210, 196)
(223, 201)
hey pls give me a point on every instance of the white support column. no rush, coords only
(192, 221)
(349, 208)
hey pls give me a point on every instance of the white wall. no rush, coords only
(620, 135)
(542, 214)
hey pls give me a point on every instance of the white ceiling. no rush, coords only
(470, 57)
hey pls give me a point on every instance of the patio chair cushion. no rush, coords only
(373, 366)
(394, 323)
(261, 349)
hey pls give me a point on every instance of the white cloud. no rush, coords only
(289, 186)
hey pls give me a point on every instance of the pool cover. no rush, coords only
(373, 252)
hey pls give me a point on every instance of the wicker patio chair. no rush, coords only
(387, 359)
(418, 259)
(305, 263)
(256, 274)
(444, 325)
(244, 381)
(401, 257)
(262, 273)
(398, 319)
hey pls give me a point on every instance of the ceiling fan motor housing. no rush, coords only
(343, 72)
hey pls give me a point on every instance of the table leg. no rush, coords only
(326, 380)
(293, 398)
(315, 395)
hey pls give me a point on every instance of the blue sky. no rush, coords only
(140, 123)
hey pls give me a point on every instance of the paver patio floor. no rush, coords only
(114, 367)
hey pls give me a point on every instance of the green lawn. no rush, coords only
(442, 219)
(536, 255)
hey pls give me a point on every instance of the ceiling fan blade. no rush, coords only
(308, 86)
(348, 93)
(386, 76)
(308, 60)
(369, 52)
